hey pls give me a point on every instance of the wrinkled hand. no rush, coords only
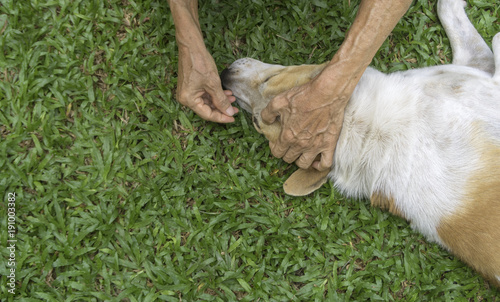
(311, 119)
(199, 87)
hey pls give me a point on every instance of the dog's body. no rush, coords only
(424, 144)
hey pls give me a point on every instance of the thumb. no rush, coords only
(272, 110)
(220, 101)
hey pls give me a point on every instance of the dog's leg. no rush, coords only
(468, 46)
(496, 51)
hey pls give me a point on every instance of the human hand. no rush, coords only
(311, 119)
(199, 87)
(312, 114)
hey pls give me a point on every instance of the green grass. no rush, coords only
(123, 195)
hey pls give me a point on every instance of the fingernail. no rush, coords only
(230, 111)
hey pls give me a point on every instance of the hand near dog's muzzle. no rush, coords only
(199, 88)
(311, 121)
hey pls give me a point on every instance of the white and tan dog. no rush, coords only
(424, 143)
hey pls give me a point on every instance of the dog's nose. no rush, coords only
(224, 78)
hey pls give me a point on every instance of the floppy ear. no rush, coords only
(303, 182)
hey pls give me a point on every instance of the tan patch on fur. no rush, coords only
(291, 76)
(386, 203)
(473, 232)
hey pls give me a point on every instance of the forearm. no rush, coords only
(193, 54)
(374, 22)
(185, 15)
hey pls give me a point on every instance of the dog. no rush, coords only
(423, 144)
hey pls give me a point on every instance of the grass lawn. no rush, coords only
(123, 195)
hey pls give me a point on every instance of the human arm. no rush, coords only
(312, 114)
(198, 86)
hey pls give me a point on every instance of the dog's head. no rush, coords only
(255, 84)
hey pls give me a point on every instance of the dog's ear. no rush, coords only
(303, 182)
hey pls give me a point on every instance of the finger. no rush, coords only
(277, 150)
(219, 117)
(291, 156)
(213, 115)
(221, 101)
(325, 162)
(230, 97)
(293, 151)
(285, 144)
(305, 160)
(268, 115)
(272, 110)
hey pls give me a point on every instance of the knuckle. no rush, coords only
(303, 162)
(276, 150)
(290, 157)
(303, 143)
(288, 136)
(182, 96)
(278, 103)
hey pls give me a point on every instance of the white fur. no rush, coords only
(409, 135)
(496, 45)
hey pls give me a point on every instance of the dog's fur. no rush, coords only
(424, 143)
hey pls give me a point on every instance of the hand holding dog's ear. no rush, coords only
(199, 87)
(311, 122)
(312, 114)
